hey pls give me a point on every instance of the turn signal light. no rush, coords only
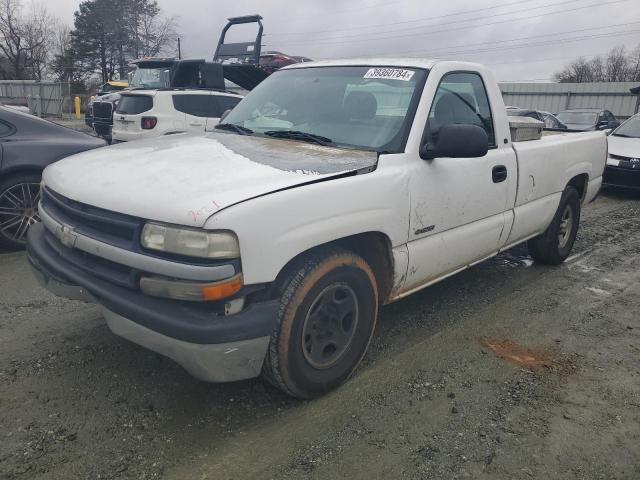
(148, 123)
(191, 291)
(222, 289)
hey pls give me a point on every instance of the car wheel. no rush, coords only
(327, 316)
(19, 197)
(555, 244)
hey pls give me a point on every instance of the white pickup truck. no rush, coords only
(334, 187)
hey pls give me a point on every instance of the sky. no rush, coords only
(520, 40)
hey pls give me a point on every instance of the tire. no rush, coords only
(327, 316)
(19, 196)
(555, 244)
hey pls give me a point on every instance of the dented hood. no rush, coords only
(184, 179)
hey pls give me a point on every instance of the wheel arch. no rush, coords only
(374, 247)
(580, 182)
(20, 170)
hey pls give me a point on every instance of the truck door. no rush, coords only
(459, 206)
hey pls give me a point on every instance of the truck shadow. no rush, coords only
(621, 193)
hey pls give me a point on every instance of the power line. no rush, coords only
(547, 5)
(539, 44)
(433, 32)
(466, 12)
(337, 12)
(547, 59)
(525, 38)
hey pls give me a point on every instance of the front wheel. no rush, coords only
(555, 244)
(327, 316)
(19, 197)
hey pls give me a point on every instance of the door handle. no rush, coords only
(499, 173)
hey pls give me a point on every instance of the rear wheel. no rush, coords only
(327, 316)
(555, 244)
(19, 197)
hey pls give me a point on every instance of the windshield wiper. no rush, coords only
(298, 135)
(621, 135)
(239, 129)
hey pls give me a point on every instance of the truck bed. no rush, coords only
(545, 167)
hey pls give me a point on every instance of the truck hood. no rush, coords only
(625, 147)
(184, 179)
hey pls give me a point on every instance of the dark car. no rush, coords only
(588, 119)
(27, 145)
(623, 161)
(550, 120)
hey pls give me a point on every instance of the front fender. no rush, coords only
(275, 228)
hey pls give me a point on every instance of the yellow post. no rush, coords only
(76, 102)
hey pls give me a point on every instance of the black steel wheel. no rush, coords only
(19, 197)
(327, 315)
(554, 245)
(330, 325)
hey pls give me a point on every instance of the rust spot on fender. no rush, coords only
(517, 354)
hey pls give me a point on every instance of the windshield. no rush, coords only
(362, 107)
(630, 128)
(578, 118)
(150, 78)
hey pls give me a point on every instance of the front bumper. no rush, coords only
(127, 136)
(621, 177)
(212, 347)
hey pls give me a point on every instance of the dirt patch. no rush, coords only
(517, 354)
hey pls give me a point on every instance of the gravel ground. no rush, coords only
(506, 371)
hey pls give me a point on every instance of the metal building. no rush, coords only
(555, 97)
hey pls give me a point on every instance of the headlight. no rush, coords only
(190, 242)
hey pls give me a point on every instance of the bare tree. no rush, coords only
(634, 65)
(616, 66)
(157, 35)
(24, 40)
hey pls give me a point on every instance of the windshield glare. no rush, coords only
(362, 107)
(630, 128)
(150, 78)
(578, 118)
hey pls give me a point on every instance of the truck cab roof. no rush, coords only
(375, 61)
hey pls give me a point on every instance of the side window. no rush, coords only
(6, 129)
(227, 103)
(461, 98)
(197, 105)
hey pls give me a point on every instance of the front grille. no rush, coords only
(632, 163)
(110, 227)
(98, 267)
(102, 110)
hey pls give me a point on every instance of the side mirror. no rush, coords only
(602, 125)
(456, 141)
(224, 115)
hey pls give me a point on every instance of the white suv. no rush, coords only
(153, 113)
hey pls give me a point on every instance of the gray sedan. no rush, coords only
(27, 145)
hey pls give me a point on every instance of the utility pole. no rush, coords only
(179, 52)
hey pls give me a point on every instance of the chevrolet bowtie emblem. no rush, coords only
(66, 236)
